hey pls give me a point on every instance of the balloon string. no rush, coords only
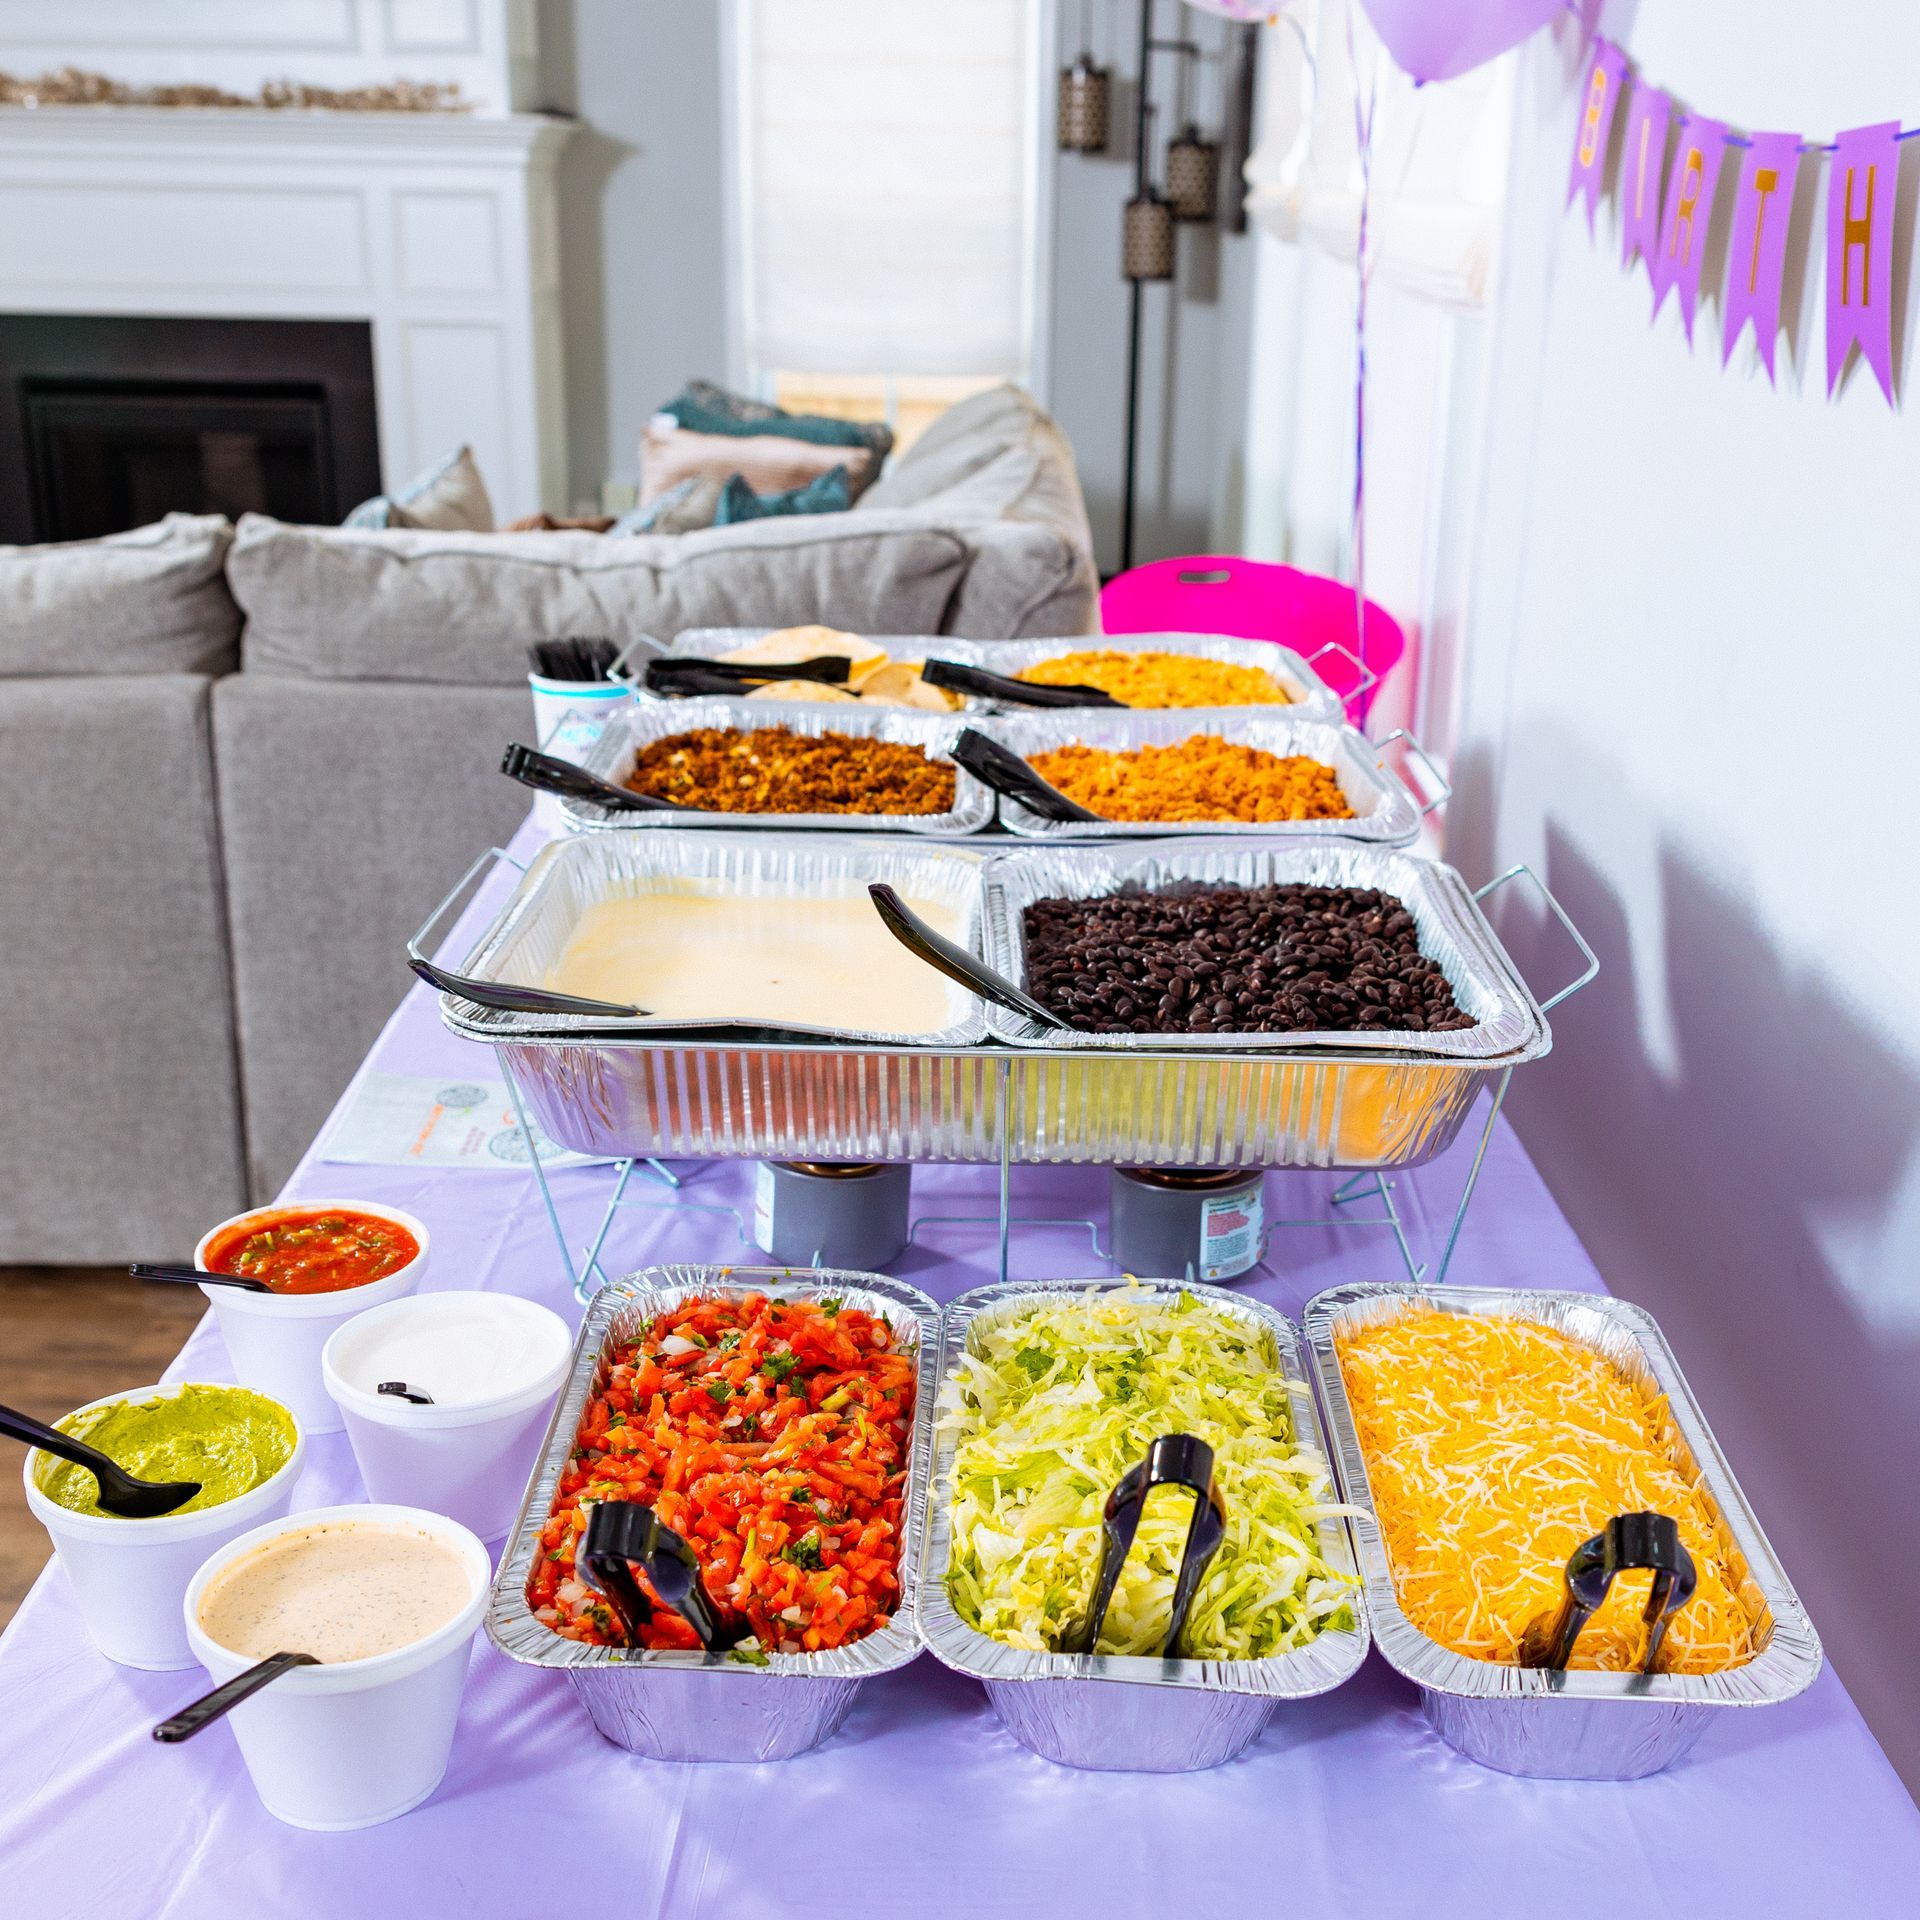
(1363, 107)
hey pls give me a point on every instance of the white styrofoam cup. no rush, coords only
(353, 1742)
(128, 1575)
(466, 1458)
(275, 1339)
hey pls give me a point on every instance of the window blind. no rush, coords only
(887, 185)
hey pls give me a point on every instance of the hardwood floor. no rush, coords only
(67, 1336)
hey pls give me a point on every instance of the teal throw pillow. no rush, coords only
(827, 494)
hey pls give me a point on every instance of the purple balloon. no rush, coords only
(1440, 39)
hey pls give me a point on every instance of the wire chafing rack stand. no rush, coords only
(587, 1272)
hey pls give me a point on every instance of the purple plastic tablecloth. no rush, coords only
(1347, 1806)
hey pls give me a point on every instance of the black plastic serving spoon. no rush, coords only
(957, 677)
(1005, 772)
(195, 1276)
(120, 1493)
(955, 962)
(544, 773)
(224, 1698)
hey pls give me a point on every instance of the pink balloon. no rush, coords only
(1440, 39)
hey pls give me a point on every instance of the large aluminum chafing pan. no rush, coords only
(702, 1706)
(1307, 694)
(714, 643)
(1385, 813)
(1508, 1023)
(1116, 1711)
(1578, 1725)
(637, 725)
(569, 876)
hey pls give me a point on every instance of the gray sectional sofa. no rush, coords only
(239, 765)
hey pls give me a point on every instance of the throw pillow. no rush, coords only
(738, 501)
(448, 498)
(682, 509)
(702, 406)
(771, 463)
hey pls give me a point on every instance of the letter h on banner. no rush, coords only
(1861, 182)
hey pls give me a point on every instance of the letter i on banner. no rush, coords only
(1643, 163)
(1599, 96)
(1683, 232)
(1860, 192)
(1757, 247)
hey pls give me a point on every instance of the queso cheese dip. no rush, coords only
(686, 954)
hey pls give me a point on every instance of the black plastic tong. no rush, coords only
(622, 1534)
(547, 773)
(1005, 772)
(680, 674)
(1650, 1540)
(1174, 1460)
(957, 677)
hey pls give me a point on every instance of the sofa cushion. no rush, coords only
(969, 435)
(119, 1074)
(332, 603)
(334, 856)
(151, 601)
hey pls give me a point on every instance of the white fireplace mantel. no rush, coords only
(437, 229)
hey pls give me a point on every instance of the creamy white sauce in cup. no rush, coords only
(339, 1590)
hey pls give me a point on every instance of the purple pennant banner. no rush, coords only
(1683, 229)
(1606, 81)
(1757, 249)
(1642, 174)
(1860, 194)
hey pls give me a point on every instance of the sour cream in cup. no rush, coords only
(490, 1364)
(387, 1600)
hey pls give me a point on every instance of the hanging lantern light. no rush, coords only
(1193, 176)
(1146, 247)
(1086, 94)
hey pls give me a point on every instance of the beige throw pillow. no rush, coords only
(670, 454)
(452, 500)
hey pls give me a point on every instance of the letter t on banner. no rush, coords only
(1683, 233)
(1643, 164)
(1860, 192)
(1606, 80)
(1757, 249)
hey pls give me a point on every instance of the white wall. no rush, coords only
(1693, 679)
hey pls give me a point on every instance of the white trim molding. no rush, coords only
(436, 229)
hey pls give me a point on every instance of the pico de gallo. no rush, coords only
(773, 1437)
(313, 1249)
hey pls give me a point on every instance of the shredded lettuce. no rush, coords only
(1050, 1407)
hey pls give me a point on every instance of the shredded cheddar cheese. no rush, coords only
(1494, 1447)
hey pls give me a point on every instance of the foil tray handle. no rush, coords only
(1648, 1540)
(1174, 1460)
(1439, 789)
(1560, 913)
(1366, 675)
(623, 1534)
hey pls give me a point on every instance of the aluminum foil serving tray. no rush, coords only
(712, 1706)
(638, 724)
(1577, 1725)
(1385, 813)
(1125, 1712)
(632, 1088)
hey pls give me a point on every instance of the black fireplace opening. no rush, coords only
(111, 422)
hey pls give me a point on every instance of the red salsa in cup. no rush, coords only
(313, 1249)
